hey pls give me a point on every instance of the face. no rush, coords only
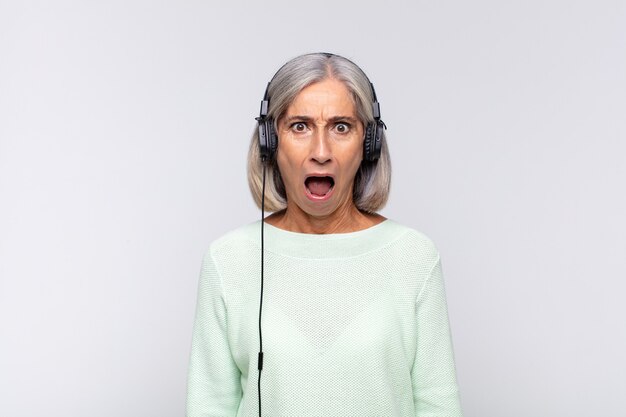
(320, 148)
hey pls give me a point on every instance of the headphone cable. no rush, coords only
(260, 358)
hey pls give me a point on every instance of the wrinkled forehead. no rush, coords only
(331, 91)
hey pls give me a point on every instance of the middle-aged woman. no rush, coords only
(354, 318)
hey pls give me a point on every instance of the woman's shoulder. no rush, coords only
(414, 237)
(235, 240)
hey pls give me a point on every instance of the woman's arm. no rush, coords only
(435, 390)
(213, 386)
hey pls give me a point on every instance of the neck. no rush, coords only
(343, 220)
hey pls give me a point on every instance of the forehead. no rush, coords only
(328, 96)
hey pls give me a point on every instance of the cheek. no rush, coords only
(290, 154)
(286, 167)
(356, 157)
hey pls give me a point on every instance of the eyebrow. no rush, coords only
(334, 119)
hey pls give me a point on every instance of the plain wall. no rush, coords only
(124, 128)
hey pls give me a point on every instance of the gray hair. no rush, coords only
(373, 178)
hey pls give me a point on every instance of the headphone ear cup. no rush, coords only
(377, 146)
(263, 138)
(268, 141)
(273, 137)
(373, 141)
(367, 142)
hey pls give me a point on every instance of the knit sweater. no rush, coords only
(354, 324)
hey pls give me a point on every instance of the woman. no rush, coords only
(354, 318)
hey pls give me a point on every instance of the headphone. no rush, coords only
(268, 139)
(268, 143)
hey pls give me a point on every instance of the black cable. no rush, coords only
(260, 359)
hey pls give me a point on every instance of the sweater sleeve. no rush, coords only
(213, 384)
(435, 390)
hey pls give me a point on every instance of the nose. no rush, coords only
(320, 147)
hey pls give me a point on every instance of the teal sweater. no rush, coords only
(354, 324)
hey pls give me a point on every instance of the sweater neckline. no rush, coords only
(331, 245)
(327, 235)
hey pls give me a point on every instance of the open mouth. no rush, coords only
(319, 186)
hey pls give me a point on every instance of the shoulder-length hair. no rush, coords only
(373, 178)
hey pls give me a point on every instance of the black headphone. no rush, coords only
(268, 139)
(268, 143)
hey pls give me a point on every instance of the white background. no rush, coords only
(124, 127)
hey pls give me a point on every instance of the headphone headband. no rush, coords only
(268, 139)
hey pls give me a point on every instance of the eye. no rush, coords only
(298, 127)
(342, 127)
